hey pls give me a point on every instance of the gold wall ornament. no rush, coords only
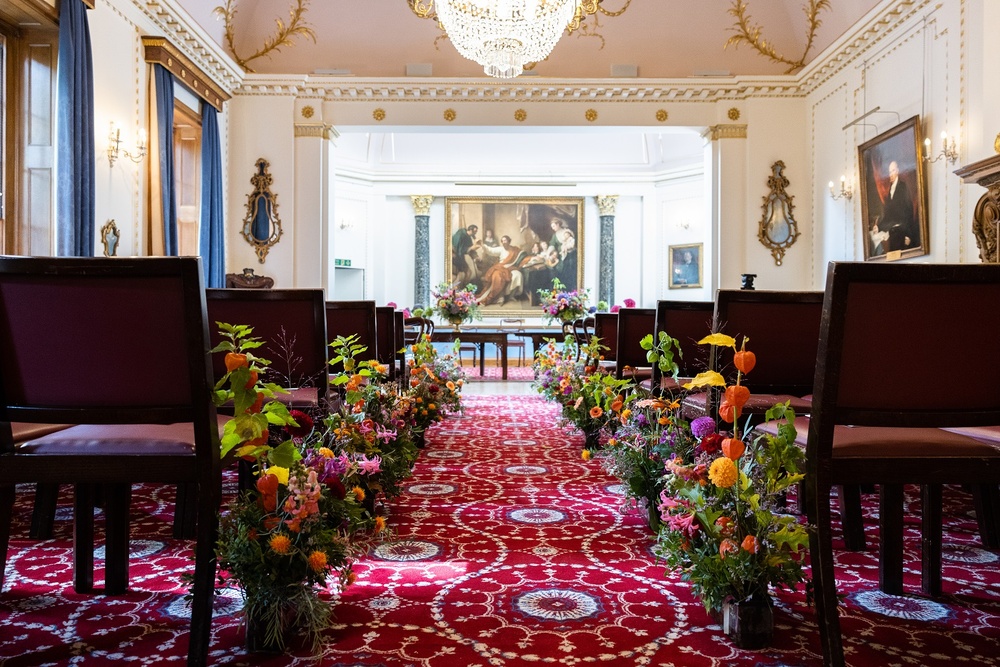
(449, 115)
(734, 114)
(379, 114)
(662, 115)
(590, 115)
(110, 236)
(751, 34)
(778, 229)
(996, 143)
(422, 204)
(262, 226)
(520, 115)
(308, 111)
(296, 27)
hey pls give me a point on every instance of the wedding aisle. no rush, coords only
(509, 550)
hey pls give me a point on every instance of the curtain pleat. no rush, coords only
(211, 234)
(75, 155)
(164, 84)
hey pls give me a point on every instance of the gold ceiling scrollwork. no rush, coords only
(752, 35)
(296, 27)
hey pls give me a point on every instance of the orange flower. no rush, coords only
(351, 578)
(738, 395)
(379, 524)
(280, 544)
(317, 561)
(750, 544)
(326, 452)
(450, 385)
(359, 494)
(727, 546)
(723, 472)
(726, 526)
(616, 405)
(596, 412)
(235, 360)
(733, 448)
(585, 455)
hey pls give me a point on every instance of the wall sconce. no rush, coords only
(115, 149)
(346, 223)
(949, 150)
(845, 190)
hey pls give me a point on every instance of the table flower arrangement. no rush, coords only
(456, 305)
(560, 303)
(721, 508)
(282, 538)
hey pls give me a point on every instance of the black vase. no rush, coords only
(749, 623)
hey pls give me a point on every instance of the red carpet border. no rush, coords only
(509, 550)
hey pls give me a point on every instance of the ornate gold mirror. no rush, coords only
(778, 229)
(262, 226)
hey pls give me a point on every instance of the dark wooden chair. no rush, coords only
(415, 328)
(399, 341)
(583, 331)
(513, 326)
(630, 359)
(347, 318)
(688, 322)
(606, 331)
(292, 324)
(385, 338)
(877, 420)
(141, 397)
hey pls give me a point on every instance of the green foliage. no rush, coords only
(664, 353)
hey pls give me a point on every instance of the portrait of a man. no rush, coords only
(511, 248)
(892, 194)
(685, 266)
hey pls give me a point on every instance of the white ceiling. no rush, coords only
(663, 38)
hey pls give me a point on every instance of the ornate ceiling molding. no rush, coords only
(161, 51)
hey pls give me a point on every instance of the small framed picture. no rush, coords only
(685, 265)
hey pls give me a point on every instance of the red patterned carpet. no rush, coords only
(510, 551)
(495, 374)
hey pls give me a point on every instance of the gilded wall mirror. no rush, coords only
(262, 226)
(778, 229)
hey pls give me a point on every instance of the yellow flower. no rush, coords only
(718, 339)
(359, 493)
(379, 524)
(280, 473)
(326, 452)
(585, 455)
(280, 544)
(723, 472)
(706, 379)
(317, 561)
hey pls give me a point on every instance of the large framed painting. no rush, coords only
(685, 266)
(893, 196)
(511, 247)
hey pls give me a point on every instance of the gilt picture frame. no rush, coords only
(685, 265)
(544, 241)
(893, 194)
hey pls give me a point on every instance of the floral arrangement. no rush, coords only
(456, 305)
(628, 303)
(562, 304)
(436, 383)
(280, 540)
(723, 528)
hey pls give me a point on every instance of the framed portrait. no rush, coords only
(685, 265)
(893, 196)
(510, 248)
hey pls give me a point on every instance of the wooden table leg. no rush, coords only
(503, 356)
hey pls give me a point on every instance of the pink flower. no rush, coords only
(630, 303)
(615, 308)
(369, 466)
(391, 304)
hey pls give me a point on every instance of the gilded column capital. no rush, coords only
(606, 204)
(422, 204)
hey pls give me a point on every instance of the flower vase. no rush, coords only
(653, 514)
(257, 637)
(456, 323)
(749, 623)
(592, 436)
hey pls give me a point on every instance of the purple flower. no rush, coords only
(702, 426)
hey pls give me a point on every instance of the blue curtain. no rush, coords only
(164, 84)
(75, 161)
(211, 235)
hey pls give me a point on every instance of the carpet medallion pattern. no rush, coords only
(508, 550)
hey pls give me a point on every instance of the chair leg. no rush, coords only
(824, 584)
(930, 533)
(83, 538)
(116, 531)
(7, 493)
(987, 503)
(890, 556)
(186, 511)
(203, 588)
(852, 523)
(43, 515)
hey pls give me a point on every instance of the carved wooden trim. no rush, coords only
(160, 50)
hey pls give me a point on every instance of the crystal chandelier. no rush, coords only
(504, 35)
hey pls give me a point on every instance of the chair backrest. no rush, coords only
(346, 318)
(688, 322)
(633, 325)
(399, 339)
(415, 328)
(783, 330)
(887, 328)
(139, 331)
(583, 331)
(292, 324)
(385, 336)
(606, 329)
